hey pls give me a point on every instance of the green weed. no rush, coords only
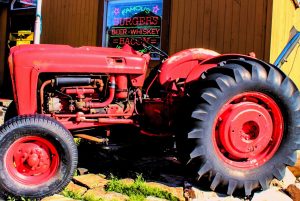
(139, 190)
(71, 194)
(10, 198)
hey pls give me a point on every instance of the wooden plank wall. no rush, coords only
(285, 17)
(226, 26)
(72, 22)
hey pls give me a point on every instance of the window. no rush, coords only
(127, 20)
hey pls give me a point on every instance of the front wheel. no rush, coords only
(245, 125)
(38, 156)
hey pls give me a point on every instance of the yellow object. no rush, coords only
(22, 37)
(285, 17)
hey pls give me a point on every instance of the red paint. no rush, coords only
(180, 64)
(115, 121)
(114, 109)
(110, 98)
(125, 67)
(121, 86)
(31, 160)
(87, 120)
(28, 61)
(46, 83)
(197, 71)
(248, 130)
(88, 115)
(211, 62)
(83, 123)
(80, 91)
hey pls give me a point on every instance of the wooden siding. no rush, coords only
(285, 17)
(72, 22)
(238, 26)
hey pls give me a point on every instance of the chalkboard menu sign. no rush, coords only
(128, 20)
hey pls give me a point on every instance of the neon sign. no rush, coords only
(127, 20)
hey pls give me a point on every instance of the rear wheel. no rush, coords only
(245, 125)
(38, 156)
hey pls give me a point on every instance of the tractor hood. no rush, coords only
(63, 58)
(27, 62)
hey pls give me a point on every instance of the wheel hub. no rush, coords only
(246, 130)
(32, 160)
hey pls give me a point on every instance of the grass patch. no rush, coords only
(91, 198)
(139, 190)
(10, 198)
(76, 196)
(71, 194)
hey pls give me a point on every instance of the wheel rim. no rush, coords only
(248, 130)
(32, 160)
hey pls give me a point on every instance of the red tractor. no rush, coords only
(236, 118)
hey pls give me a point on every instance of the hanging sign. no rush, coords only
(127, 21)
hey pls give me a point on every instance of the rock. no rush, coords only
(113, 196)
(102, 175)
(91, 180)
(288, 178)
(151, 198)
(6, 102)
(176, 191)
(96, 193)
(189, 194)
(296, 168)
(99, 193)
(293, 192)
(82, 171)
(160, 186)
(271, 194)
(297, 185)
(276, 183)
(76, 188)
(211, 196)
(57, 198)
(127, 181)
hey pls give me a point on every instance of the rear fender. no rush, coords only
(180, 64)
(209, 63)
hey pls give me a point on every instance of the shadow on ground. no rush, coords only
(130, 154)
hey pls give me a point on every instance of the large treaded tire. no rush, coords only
(257, 81)
(54, 147)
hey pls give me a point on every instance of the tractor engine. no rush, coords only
(106, 95)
